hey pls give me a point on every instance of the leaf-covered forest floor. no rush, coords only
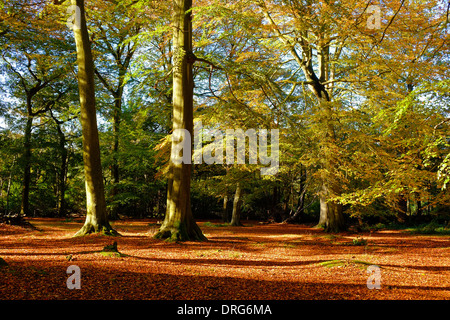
(273, 261)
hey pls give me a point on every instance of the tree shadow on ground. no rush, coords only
(110, 284)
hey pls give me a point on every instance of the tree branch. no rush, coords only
(390, 22)
(103, 81)
(208, 62)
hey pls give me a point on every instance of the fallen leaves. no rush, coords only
(265, 262)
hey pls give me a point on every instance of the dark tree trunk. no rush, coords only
(8, 188)
(225, 209)
(25, 206)
(402, 209)
(114, 214)
(62, 173)
(236, 215)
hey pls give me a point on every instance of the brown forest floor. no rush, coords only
(255, 262)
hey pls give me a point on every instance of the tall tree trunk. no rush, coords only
(179, 224)
(331, 216)
(114, 214)
(117, 118)
(25, 206)
(8, 188)
(236, 215)
(96, 216)
(62, 173)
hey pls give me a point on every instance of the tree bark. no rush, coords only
(179, 224)
(25, 206)
(402, 209)
(331, 215)
(96, 215)
(62, 173)
(8, 188)
(225, 209)
(295, 217)
(236, 215)
(114, 214)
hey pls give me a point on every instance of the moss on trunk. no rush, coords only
(179, 231)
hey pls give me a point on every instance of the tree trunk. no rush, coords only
(8, 188)
(225, 209)
(331, 215)
(402, 209)
(179, 224)
(25, 206)
(62, 173)
(114, 214)
(117, 93)
(236, 215)
(419, 210)
(96, 216)
(295, 217)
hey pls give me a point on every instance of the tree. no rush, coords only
(362, 113)
(179, 224)
(236, 214)
(312, 36)
(96, 214)
(62, 148)
(116, 50)
(30, 92)
(36, 63)
(396, 153)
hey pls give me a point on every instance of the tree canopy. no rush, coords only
(357, 92)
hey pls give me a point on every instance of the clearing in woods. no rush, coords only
(264, 262)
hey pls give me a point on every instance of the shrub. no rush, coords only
(359, 241)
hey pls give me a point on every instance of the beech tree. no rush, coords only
(115, 50)
(179, 224)
(361, 105)
(32, 84)
(37, 65)
(309, 46)
(96, 214)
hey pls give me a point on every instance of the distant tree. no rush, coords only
(35, 66)
(237, 202)
(115, 50)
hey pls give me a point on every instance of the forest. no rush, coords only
(121, 118)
